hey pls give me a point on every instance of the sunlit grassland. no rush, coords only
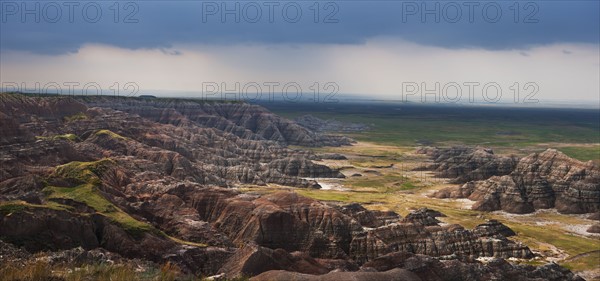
(583, 262)
(583, 153)
(448, 132)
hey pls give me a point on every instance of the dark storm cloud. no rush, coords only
(160, 24)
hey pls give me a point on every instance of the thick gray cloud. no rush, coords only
(161, 24)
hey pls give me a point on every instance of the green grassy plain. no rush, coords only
(515, 130)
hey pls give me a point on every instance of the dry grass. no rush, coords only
(40, 270)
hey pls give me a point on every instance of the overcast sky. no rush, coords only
(378, 49)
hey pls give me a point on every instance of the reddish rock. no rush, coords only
(595, 228)
(252, 260)
(391, 275)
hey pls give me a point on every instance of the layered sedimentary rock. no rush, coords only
(209, 143)
(427, 268)
(241, 119)
(406, 266)
(368, 218)
(252, 260)
(549, 179)
(423, 216)
(303, 168)
(435, 241)
(464, 164)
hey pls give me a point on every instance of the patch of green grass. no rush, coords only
(408, 185)
(75, 117)
(69, 137)
(90, 173)
(190, 243)
(10, 207)
(571, 244)
(386, 183)
(91, 196)
(342, 196)
(110, 134)
(583, 262)
(371, 163)
(323, 195)
(583, 153)
(87, 172)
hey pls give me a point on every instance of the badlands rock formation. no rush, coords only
(148, 181)
(173, 138)
(549, 179)
(464, 164)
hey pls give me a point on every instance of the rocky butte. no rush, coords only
(549, 179)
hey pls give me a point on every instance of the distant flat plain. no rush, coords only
(576, 132)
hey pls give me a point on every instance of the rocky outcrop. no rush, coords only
(368, 218)
(241, 119)
(595, 228)
(406, 266)
(427, 268)
(549, 179)
(492, 228)
(40, 228)
(332, 156)
(252, 260)
(434, 241)
(303, 168)
(280, 220)
(423, 216)
(331, 125)
(464, 164)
